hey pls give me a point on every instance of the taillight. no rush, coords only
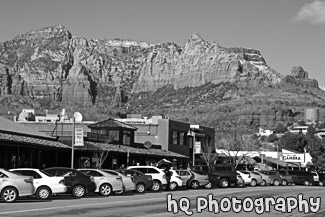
(30, 180)
(61, 181)
(92, 179)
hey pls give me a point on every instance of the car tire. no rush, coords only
(208, 186)
(321, 183)
(121, 191)
(43, 193)
(284, 182)
(276, 182)
(195, 184)
(105, 189)
(263, 183)
(78, 191)
(306, 182)
(9, 194)
(224, 183)
(253, 183)
(140, 188)
(173, 186)
(156, 186)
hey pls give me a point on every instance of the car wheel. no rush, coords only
(105, 190)
(140, 188)
(173, 186)
(43, 193)
(78, 191)
(321, 183)
(284, 182)
(306, 182)
(224, 183)
(208, 186)
(121, 191)
(263, 183)
(9, 194)
(195, 184)
(155, 185)
(253, 183)
(276, 182)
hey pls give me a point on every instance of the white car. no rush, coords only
(246, 177)
(13, 186)
(128, 182)
(175, 180)
(45, 185)
(158, 176)
(105, 182)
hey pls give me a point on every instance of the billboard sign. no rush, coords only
(292, 157)
(79, 137)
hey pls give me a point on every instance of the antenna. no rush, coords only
(77, 116)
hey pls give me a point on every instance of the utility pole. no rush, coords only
(72, 146)
(194, 143)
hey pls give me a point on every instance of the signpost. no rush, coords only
(79, 137)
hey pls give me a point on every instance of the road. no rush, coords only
(155, 204)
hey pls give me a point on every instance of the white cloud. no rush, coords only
(313, 12)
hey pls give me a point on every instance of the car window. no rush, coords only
(111, 172)
(283, 173)
(92, 173)
(138, 174)
(152, 170)
(71, 173)
(144, 170)
(32, 173)
(255, 173)
(2, 175)
(183, 173)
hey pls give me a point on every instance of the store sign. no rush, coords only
(79, 137)
(197, 147)
(300, 158)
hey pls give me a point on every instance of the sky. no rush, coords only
(287, 32)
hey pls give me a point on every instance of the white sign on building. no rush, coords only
(79, 137)
(292, 157)
(197, 147)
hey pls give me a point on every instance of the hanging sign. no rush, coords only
(292, 157)
(79, 137)
(197, 147)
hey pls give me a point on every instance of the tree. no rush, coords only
(238, 146)
(209, 154)
(101, 154)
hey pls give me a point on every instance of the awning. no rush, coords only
(128, 149)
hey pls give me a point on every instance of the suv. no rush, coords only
(77, 182)
(158, 176)
(302, 177)
(226, 173)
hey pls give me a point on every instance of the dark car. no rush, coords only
(302, 177)
(223, 174)
(77, 182)
(141, 180)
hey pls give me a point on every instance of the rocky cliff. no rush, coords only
(52, 65)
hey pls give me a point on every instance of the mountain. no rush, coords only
(52, 68)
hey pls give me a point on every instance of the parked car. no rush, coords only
(45, 185)
(275, 177)
(158, 176)
(266, 179)
(194, 179)
(77, 182)
(105, 183)
(141, 180)
(321, 178)
(302, 177)
(287, 179)
(246, 177)
(256, 178)
(128, 182)
(14, 185)
(225, 172)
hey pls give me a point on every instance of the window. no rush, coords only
(2, 175)
(182, 138)
(92, 173)
(175, 138)
(144, 170)
(114, 134)
(152, 170)
(126, 137)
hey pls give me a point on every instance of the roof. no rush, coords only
(130, 149)
(31, 140)
(9, 126)
(113, 124)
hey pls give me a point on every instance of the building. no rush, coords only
(111, 143)
(21, 146)
(171, 135)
